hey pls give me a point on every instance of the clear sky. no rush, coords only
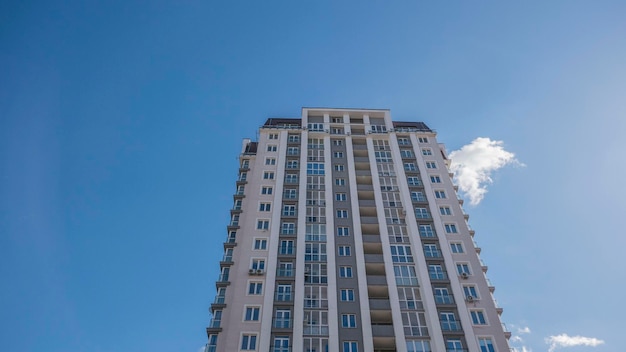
(121, 122)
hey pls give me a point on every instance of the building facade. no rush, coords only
(346, 234)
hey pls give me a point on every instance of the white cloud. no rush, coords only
(521, 349)
(474, 163)
(565, 340)
(516, 338)
(524, 330)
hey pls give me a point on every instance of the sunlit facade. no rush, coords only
(346, 234)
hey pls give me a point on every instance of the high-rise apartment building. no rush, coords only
(346, 234)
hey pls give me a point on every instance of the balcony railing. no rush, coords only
(282, 323)
(283, 297)
(215, 323)
(285, 272)
(315, 330)
(447, 299)
(450, 326)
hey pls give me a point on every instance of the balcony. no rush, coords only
(283, 297)
(315, 329)
(382, 330)
(444, 299)
(380, 304)
(282, 323)
(285, 273)
(433, 253)
(452, 326)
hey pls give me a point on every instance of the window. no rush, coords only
(450, 228)
(316, 127)
(486, 344)
(342, 213)
(427, 151)
(347, 295)
(383, 157)
(414, 181)
(338, 154)
(282, 318)
(237, 205)
(348, 320)
(281, 344)
(417, 346)
(270, 161)
(288, 228)
(266, 190)
(272, 147)
(426, 231)
(283, 293)
(410, 167)
(401, 254)
(439, 194)
(418, 197)
(442, 296)
(258, 264)
(315, 273)
(260, 243)
(406, 153)
(268, 175)
(290, 193)
(291, 178)
(216, 321)
(292, 164)
(285, 269)
(336, 130)
(345, 271)
(293, 151)
(423, 140)
(435, 272)
(255, 288)
(315, 252)
(456, 247)
(405, 275)
(273, 136)
(463, 268)
(252, 313)
(315, 168)
(344, 251)
(431, 251)
(478, 317)
(248, 342)
(339, 167)
(263, 224)
(454, 345)
(340, 181)
(337, 142)
(435, 179)
(293, 138)
(340, 197)
(350, 346)
(470, 291)
(422, 213)
(403, 141)
(414, 324)
(286, 247)
(445, 210)
(265, 207)
(431, 165)
(289, 210)
(240, 190)
(449, 323)
(212, 345)
(379, 128)
(343, 231)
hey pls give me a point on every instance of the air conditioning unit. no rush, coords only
(260, 271)
(464, 275)
(469, 298)
(252, 271)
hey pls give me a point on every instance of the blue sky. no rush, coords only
(120, 124)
